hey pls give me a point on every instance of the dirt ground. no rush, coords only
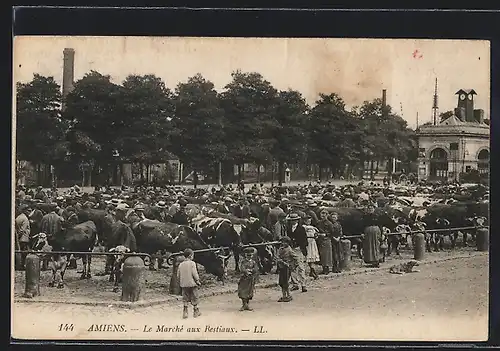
(98, 288)
(445, 301)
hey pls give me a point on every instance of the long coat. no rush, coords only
(249, 274)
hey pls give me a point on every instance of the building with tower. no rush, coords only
(458, 144)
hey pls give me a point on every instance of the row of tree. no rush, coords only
(250, 121)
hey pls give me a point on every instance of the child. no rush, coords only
(189, 280)
(286, 262)
(249, 272)
(312, 247)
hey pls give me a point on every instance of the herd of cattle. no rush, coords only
(141, 220)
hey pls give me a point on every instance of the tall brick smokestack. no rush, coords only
(384, 102)
(68, 71)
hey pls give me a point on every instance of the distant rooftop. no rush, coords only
(466, 91)
(454, 125)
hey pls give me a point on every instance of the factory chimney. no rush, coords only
(384, 102)
(68, 71)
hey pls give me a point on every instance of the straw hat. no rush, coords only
(293, 217)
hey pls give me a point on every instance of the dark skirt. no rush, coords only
(246, 287)
(371, 245)
(284, 275)
(325, 251)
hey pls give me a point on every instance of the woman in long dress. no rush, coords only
(312, 247)
(326, 230)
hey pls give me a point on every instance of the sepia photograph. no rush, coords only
(239, 188)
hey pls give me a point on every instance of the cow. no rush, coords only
(155, 213)
(155, 236)
(41, 244)
(81, 237)
(121, 235)
(355, 220)
(259, 210)
(102, 220)
(395, 240)
(456, 215)
(56, 263)
(219, 232)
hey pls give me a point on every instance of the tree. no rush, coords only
(200, 123)
(334, 134)
(143, 134)
(249, 102)
(39, 128)
(386, 134)
(291, 138)
(95, 114)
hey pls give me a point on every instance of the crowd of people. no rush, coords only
(310, 235)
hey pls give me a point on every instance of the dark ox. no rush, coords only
(81, 237)
(355, 220)
(154, 236)
(121, 236)
(456, 215)
(220, 232)
(103, 222)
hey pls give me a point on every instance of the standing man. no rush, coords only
(22, 224)
(298, 235)
(336, 235)
(51, 223)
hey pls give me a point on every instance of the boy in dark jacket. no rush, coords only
(286, 263)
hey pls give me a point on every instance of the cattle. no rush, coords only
(102, 220)
(121, 235)
(155, 213)
(41, 244)
(456, 215)
(154, 236)
(56, 263)
(81, 237)
(117, 270)
(259, 210)
(395, 240)
(220, 232)
(355, 220)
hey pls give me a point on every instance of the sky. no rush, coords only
(356, 69)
